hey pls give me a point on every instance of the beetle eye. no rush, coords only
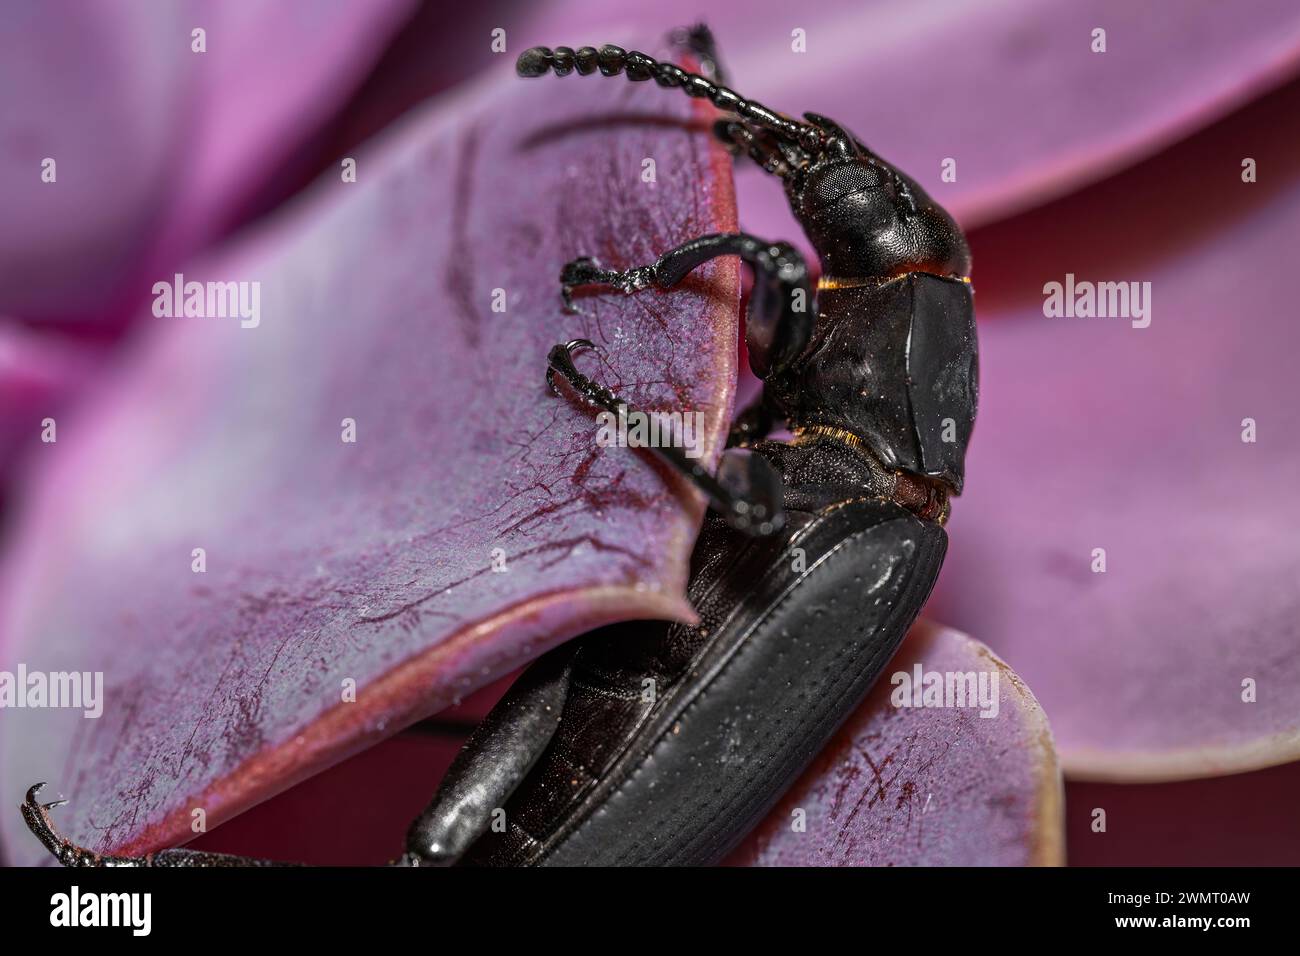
(844, 180)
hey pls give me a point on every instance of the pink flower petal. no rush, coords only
(38, 375)
(905, 786)
(1095, 434)
(154, 145)
(372, 561)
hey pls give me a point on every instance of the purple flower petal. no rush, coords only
(1094, 434)
(907, 786)
(38, 375)
(154, 145)
(328, 561)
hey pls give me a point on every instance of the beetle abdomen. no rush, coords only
(794, 632)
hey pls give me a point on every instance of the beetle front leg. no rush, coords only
(586, 271)
(782, 305)
(771, 154)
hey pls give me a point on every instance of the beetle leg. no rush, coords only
(782, 306)
(37, 817)
(746, 490)
(587, 271)
(497, 756)
(202, 859)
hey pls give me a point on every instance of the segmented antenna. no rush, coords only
(611, 61)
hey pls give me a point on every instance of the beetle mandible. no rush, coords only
(660, 743)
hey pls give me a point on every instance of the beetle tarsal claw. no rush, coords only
(37, 817)
(31, 797)
(560, 360)
(32, 804)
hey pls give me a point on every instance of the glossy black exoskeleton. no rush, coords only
(657, 743)
(817, 557)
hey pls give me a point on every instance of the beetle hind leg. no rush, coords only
(38, 820)
(37, 817)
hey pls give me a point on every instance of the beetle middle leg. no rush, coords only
(746, 490)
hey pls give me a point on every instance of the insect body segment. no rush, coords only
(875, 371)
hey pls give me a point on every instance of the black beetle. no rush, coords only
(658, 743)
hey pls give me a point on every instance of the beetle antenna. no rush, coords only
(612, 60)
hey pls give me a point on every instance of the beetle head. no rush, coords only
(865, 218)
